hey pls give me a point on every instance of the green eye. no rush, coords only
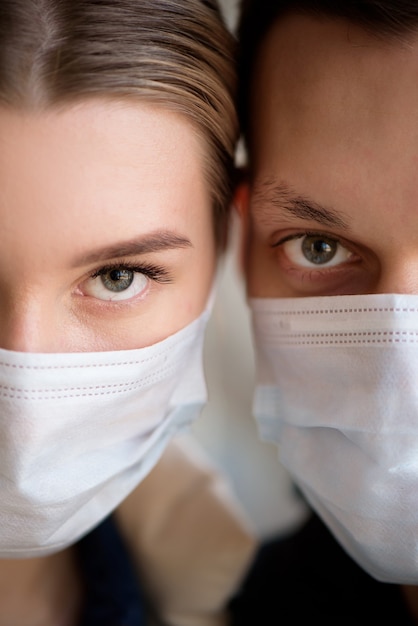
(117, 280)
(315, 250)
(319, 250)
(116, 283)
(123, 282)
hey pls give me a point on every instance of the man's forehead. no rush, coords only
(330, 77)
(310, 54)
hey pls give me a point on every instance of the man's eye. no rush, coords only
(119, 283)
(312, 250)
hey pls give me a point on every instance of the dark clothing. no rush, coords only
(306, 578)
(112, 591)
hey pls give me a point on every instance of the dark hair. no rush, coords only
(383, 18)
(177, 54)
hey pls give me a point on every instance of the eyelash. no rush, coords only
(153, 272)
(307, 233)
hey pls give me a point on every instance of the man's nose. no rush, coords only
(399, 277)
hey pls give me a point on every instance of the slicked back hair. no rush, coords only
(175, 53)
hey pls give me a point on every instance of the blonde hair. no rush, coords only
(177, 53)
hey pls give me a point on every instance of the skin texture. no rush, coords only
(334, 152)
(84, 187)
(81, 180)
(333, 163)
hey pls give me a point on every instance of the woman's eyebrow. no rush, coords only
(269, 195)
(151, 242)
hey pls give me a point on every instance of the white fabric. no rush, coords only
(79, 431)
(337, 389)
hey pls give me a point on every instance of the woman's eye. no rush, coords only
(118, 283)
(312, 250)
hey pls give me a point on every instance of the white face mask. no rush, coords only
(79, 431)
(337, 388)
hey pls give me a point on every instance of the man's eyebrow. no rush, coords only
(151, 242)
(270, 195)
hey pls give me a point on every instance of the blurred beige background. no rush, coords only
(227, 428)
(230, 9)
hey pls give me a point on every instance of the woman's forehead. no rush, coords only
(97, 168)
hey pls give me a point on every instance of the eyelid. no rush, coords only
(336, 261)
(356, 273)
(151, 270)
(309, 233)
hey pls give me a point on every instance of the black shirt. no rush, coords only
(112, 590)
(306, 578)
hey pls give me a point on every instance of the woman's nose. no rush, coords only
(28, 326)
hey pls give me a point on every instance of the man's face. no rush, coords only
(333, 203)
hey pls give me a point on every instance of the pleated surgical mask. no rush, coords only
(337, 390)
(79, 431)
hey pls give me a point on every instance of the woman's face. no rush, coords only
(106, 227)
